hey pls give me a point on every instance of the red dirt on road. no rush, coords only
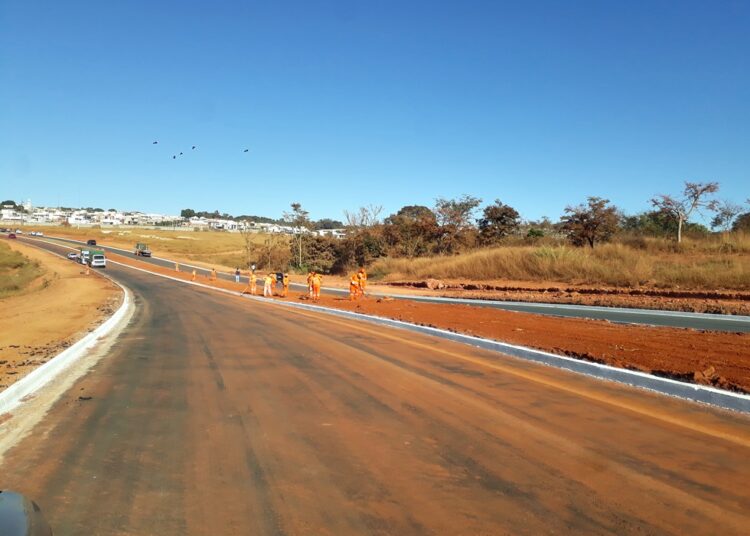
(712, 358)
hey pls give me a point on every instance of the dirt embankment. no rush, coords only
(719, 302)
(39, 324)
(711, 358)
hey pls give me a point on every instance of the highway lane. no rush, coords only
(215, 414)
(714, 322)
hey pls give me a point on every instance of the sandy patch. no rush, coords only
(37, 325)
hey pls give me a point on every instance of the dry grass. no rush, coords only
(17, 272)
(608, 264)
(214, 248)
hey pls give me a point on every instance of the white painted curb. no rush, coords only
(687, 391)
(13, 396)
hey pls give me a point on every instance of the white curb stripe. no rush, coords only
(11, 397)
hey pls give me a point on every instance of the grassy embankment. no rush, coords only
(17, 272)
(706, 264)
(709, 263)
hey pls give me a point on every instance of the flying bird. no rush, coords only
(246, 150)
(155, 143)
(193, 147)
(173, 157)
(180, 154)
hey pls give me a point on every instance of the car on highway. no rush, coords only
(98, 260)
(73, 256)
(11, 235)
(90, 242)
(19, 231)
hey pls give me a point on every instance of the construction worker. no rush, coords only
(253, 283)
(237, 274)
(285, 289)
(317, 281)
(268, 282)
(362, 278)
(309, 283)
(354, 287)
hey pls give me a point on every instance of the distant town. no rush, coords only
(26, 214)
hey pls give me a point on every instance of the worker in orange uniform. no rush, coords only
(285, 282)
(268, 285)
(317, 281)
(354, 287)
(253, 283)
(309, 283)
(362, 278)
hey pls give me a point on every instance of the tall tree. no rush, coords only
(593, 222)
(412, 231)
(299, 219)
(694, 198)
(187, 213)
(497, 221)
(726, 212)
(455, 217)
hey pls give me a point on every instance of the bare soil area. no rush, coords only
(38, 324)
(710, 358)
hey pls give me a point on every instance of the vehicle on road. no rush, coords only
(19, 231)
(73, 256)
(97, 259)
(12, 235)
(20, 516)
(142, 250)
(90, 242)
(36, 233)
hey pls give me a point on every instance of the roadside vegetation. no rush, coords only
(592, 243)
(17, 272)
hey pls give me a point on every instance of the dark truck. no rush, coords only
(141, 250)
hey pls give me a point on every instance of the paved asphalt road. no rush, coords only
(613, 314)
(215, 414)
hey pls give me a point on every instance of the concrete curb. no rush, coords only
(687, 391)
(14, 395)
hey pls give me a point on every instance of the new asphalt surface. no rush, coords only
(215, 414)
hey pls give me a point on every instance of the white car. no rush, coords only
(98, 261)
(73, 256)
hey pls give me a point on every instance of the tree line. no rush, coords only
(451, 226)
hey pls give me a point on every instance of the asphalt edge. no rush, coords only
(687, 391)
(14, 395)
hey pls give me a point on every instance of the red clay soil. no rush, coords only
(712, 358)
(723, 302)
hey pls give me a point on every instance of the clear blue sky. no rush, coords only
(345, 103)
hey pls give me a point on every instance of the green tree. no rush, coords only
(497, 221)
(299, 219)
(591, 223)
(187, 213)
(455, 216)
(412, 231)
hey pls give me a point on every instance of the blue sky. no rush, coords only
(344, 104)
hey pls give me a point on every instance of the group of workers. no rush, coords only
(357, 284)
(269, 283)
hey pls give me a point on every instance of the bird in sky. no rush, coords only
(180, 154)
(193, 147)
(246, 150)
(173, 157)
